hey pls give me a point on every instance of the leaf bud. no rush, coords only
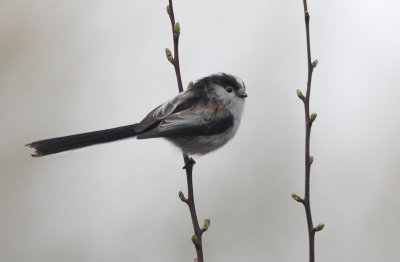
(319, 227)
(182, 196)
(297, 198)
(177, 30)
(206, 224)
(300, 94)
(195, 240)
(169, 54)
(313, 117)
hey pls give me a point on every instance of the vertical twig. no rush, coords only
(309, 119)
(189, 162)
(175, 33)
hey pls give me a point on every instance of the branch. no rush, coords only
(189, 162)
(175, 33)
(309, 119)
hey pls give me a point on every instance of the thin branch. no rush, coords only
(197, 238)
(309, 119)
(175, 34)
(189, 162)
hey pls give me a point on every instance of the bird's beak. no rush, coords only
(242, 94)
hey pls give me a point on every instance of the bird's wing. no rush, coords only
(191, 122)
(160, 112)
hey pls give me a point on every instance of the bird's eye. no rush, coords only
(229, 89)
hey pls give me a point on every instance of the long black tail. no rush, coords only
(60, 144)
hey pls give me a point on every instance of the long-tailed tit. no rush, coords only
(199, 120)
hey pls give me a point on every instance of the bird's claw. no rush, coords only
(189, 163)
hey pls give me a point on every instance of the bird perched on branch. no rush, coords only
(199, 120)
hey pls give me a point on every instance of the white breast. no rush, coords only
(201, 145)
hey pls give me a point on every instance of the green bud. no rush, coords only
(177, 30)
(206, 224)
(190, 84)
(182, 196)
(168, 8)
(319, 227)
(311, 159)
(313, 117)
(297, 198)
(168, 54)
(307, 14)
(315, 63)
(300, 94)
(195, 240)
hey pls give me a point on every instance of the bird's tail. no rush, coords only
(65, 143)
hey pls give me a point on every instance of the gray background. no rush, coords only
(81, 65)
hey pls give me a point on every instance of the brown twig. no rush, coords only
(175, 33)
(189, 162)
(309, 119)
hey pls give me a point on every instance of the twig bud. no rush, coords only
(319, 227)
(297, 198)
(311, 159)
(168, 9)
(313, 117)
(315, 63)
(300, 94)
(190, 84)
(169, 55)
(195, 240)
(307, 14)
(206, 224)
(177, 30)
(182, 196)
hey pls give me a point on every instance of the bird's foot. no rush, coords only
(189, 163)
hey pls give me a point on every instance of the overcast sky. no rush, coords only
(81, 65)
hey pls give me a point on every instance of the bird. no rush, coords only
(199, 120)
